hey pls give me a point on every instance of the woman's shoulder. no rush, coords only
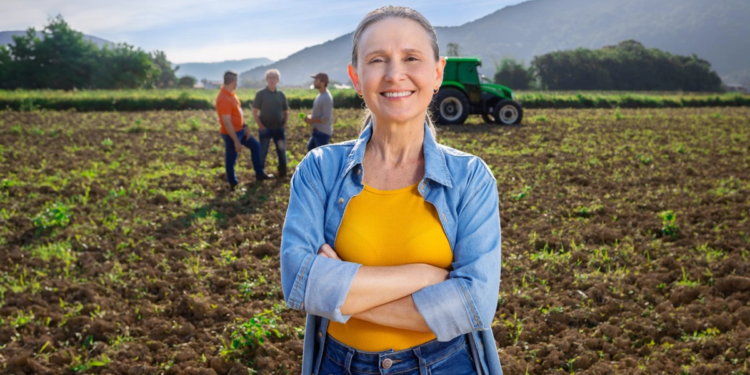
(327, 159)
(463, 165)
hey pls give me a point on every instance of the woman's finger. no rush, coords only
(328, 252)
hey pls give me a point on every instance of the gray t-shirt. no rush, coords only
(323, 109)
(272, 105)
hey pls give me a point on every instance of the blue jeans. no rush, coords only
(279, 139)
(432, 358)
(230, 155)
(318, 139)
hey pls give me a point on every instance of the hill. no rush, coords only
(215, 70)
(716, 31)
(6, 38)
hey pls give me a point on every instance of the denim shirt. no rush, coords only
(464, 193)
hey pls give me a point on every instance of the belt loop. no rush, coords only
(422, 362)
(348, 361)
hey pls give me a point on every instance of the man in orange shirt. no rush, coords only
(234, 131)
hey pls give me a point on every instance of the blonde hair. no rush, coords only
(392, 11)
(273, 71)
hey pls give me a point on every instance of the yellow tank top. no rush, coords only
(388, 228)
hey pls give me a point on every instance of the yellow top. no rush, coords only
(388, 228)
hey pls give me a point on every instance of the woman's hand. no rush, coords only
(328, 252)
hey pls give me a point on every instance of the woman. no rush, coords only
(410, 284)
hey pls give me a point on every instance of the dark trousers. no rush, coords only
(230, 155)
(318, 139)
(279, 140)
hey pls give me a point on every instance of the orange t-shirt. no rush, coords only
(227, 103)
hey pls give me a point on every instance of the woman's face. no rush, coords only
(396, 70)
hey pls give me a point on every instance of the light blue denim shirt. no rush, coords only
(464, 193)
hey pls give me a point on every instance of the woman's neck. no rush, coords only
(395, 144)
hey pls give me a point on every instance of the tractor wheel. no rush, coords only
(507, 112)
(451, 107)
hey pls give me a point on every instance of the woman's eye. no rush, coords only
(412, 58)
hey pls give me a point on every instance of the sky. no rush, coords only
(207, 31)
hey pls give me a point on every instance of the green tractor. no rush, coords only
(462, 94)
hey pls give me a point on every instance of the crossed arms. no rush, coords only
(418, 297)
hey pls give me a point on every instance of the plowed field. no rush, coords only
(625, 244)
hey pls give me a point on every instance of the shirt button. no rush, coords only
(387, 363)
(341, 200)
(320, 334)
(359, 171)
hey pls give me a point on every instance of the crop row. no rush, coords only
(145, 100)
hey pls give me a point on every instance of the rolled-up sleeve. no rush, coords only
(467, 301)
(310, 282)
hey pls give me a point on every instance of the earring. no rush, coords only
(360, 96)
(435, 91)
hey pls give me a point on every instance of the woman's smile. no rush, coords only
(397, 94)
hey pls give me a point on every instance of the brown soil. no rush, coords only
(163, 264)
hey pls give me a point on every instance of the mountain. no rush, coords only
(215, 71)
(6, 38)
(296, 69)
(714, 30)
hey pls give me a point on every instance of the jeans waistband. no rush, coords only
(390, 361)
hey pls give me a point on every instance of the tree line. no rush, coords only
(58, 57)
(627, 66)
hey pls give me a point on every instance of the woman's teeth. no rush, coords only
(397, 94)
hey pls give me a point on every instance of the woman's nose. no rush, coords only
(395, 71)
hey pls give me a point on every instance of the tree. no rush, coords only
(627, 66)
(454, 49)
(513, 74)
(59, 58)
(167, 77)
(187, 82)
(123, 67)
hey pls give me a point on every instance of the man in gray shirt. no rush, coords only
(322, 116)
(271, 111)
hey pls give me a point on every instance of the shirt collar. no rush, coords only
(434, 160)
(226, 92)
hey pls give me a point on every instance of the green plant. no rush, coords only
(195, 124)
(55, 215)
(685, 281)
(107, 144)
(645, 159)
(516, 328)
(21, 319)
(669, 228)
(522, 194)
(252, 333)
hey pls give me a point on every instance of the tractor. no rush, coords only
(463, 94)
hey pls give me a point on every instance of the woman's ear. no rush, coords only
(355, 79)
(439, 72)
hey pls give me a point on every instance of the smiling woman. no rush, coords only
(410, 284)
